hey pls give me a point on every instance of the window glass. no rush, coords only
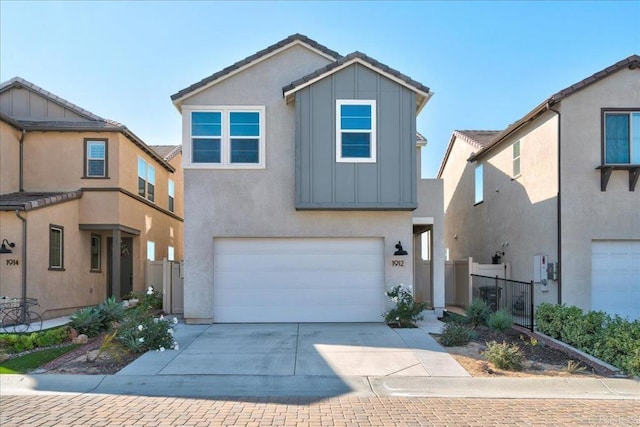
(244, 129)
(171, 253)
(151, 182)
(635, 136)
(96, 252)
(142, 177)
(617, 138)
(479, 193)
(96, 154)
(151, 250)
(516, 158)
(172, 194)
(355, 117)
(206, 123)
(355, 136)
(55, 247)
(356, 145)
(206, 132)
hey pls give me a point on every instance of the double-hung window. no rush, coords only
(146, 180)
(95, 158)
(479, 184)
(355, 131)
(621, 137)
(172, 195)
(227, 137)
(516, 159)
(56, 247)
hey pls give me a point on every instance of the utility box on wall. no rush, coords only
(540, 269)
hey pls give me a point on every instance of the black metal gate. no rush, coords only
(515, 297)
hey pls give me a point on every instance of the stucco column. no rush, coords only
(115, 264)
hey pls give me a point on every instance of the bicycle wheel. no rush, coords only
(11, 320)
(34, 323)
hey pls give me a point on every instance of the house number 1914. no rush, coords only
(397, 263)
(12, 262)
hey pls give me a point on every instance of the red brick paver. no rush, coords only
(95, 410)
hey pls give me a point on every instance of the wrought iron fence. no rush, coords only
(515, 297)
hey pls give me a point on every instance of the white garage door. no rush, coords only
(298, 280)
(615, 277)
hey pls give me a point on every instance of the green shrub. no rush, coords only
(151, 299)
(455, 334)
(501, 320)
(52, 337)
(478, 312)
(406, 311)
(88, 321)
(505, 356)
(140, 332)
(111, 311)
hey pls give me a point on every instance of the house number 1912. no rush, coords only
(397, 263)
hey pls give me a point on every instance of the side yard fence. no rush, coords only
(515, 297)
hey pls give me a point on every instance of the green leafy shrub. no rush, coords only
(406, 311)
(501, 320)
(505, 356)
(151, 299)
(612, 339)
(25, 342)
(88, 321)
(456, 334)
(52, 337)
(140, 332)
(16, 343)
(111, 311)
(478, 312)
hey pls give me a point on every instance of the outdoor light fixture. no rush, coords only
(496, 258)
(399, 251)
(6, 250)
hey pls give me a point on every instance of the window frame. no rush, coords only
(630, 112)
(225, 137)
(95, 268)
(171, 253)
(515, 160)
(151, 245)
(146, 187)
(171, 195)
(86, 158)
(478, 187)
(60, 249)
(372, 131)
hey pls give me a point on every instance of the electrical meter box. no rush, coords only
(540, 269)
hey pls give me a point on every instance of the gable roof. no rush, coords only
(423, 92)
(93, 123)
(251, 60)
(476, 138)
(167, 152)
(632, 62)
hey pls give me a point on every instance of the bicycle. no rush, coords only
(17, 316)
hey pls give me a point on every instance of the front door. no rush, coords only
(126, 267)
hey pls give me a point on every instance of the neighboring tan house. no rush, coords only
(557, 193)
(72, 183)
(301, 177)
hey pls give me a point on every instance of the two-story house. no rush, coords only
(556, 192)
(302, 196)
(84, 202)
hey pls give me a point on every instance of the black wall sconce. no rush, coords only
(400, 250)
(6, 250)
(496, 258)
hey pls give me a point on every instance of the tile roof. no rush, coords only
(167, 152)
(632, 62)
(349, 58)
(291, 39)
(32, 200)
(476, 138)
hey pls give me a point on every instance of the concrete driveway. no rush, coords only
(304, 349)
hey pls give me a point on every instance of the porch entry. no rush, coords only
(126, 266)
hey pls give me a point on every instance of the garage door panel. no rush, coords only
(298, 280)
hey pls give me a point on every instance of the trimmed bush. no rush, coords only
(140, 332)
(406, 311)
(455, 334)
(478, 312)
(88, 321)
(505, 356)
(500, 321)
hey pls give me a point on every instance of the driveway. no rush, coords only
(300, 349)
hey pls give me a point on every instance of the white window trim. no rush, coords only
(147, 166)
(514, 158)
(374, 119)
(88, 142)
(225, 149)
(60, 248)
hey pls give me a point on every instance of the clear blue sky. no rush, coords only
(489, 63)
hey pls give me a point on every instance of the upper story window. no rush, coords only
(172, 195)
(621, 137)
(56, 247)
(355, 131)
(146, 180)
(479, 184)
(516, 159)
(226, 137)
(95, 158)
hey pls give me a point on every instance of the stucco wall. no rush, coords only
(587, 213)
(9, 158)
(261, 203)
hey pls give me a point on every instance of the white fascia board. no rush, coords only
(360, 61)
(423, 220)
(178, 102)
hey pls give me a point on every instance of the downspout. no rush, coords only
(24, 254)
(559, 205)
(21, 163)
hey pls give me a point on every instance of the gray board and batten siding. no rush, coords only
(323, 183)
